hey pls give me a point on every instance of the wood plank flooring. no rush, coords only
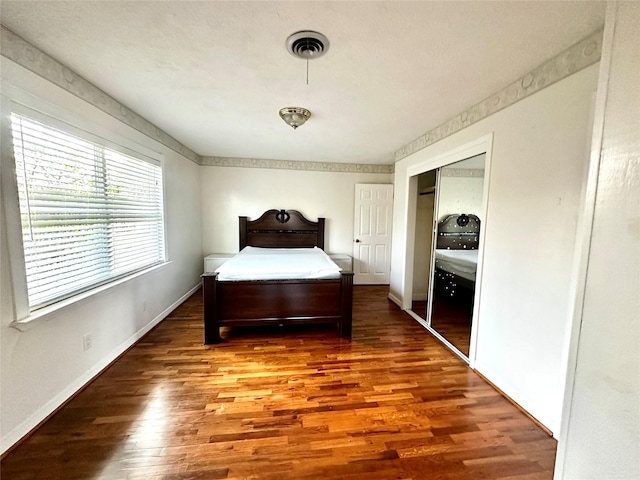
(452, 319)
(290, 403)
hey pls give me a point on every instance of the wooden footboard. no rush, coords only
(280, 302)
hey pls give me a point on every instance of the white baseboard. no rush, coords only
(517, 398)
(10, 439)
(394, 299)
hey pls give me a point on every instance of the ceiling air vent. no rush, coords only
(307, 44)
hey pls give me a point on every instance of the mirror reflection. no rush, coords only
(425, 208)
(446, 250)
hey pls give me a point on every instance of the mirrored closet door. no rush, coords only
(448, 221)
(425, 210)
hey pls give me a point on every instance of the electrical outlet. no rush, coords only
(144, 306)
(86, 342)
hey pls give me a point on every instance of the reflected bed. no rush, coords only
(463, 263)
(457, 253)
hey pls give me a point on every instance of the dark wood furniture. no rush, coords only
(279, 302)
(456, 232)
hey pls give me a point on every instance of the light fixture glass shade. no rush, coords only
(294, 116)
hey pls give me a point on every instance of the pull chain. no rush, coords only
(308, 50)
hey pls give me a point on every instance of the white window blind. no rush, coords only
(89, 213)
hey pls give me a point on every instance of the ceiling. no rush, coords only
(214, 74)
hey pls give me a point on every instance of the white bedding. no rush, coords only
(463, 263)
(255, 263)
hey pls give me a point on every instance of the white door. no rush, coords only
(372, 234)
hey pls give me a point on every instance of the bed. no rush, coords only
(278, 301)
(457, 253)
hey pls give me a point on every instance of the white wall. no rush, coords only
(537, 168)
(229, 192)
(44, 365)
(601, 434)
(460, 195)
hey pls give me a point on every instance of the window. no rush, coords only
(89, 212)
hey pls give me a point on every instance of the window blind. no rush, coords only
(90, 214)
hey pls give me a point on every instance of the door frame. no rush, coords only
(479, 146)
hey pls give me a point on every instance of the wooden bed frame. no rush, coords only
(456, 232)
(278, 302)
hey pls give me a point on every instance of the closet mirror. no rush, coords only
(425, 209)
(449, 208)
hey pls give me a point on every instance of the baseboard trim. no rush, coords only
(20, 433)
(514, 403)
(395, 300)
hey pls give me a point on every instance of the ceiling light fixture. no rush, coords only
(294, 116)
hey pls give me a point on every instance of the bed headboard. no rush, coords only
(281, 229)
(458, 232)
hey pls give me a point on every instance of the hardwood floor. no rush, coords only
(291, 403)
(451, 318)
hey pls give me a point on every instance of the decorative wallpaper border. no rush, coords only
(32, 58)
(577, 57)
(296, 165)
(462, 172)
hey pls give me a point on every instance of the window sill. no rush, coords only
(43, 314)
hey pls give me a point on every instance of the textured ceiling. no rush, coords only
(214, 74)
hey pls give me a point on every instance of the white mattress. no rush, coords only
(254, 263)
(463, 263)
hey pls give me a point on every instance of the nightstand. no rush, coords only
(344, 261)
(213, 261)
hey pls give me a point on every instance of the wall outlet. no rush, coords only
(86, 342)
(144, 306)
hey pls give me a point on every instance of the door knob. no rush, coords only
(357, 240)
